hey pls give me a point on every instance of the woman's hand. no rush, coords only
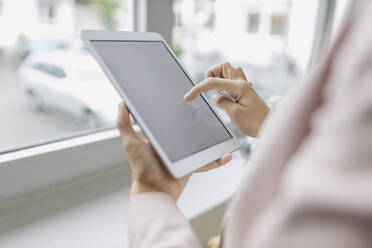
(148, 172)
(248, 111)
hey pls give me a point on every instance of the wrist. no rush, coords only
(139, 188)
(260, 120)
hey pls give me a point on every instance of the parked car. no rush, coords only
(69, 82)
(25, 46)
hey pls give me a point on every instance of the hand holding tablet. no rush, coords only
(148, 172)
(185, 135)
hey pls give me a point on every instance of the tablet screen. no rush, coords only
(155, 85)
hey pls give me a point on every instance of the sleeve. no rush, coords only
(322, 194)
(325, 196)
(156, 221)
(325, 193)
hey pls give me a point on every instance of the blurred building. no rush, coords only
(254, 32)
(35, 19)
(258, 26)
(55, 20)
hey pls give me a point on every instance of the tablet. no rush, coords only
(152, 83)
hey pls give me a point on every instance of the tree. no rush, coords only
(108, 10)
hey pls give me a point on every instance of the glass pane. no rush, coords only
(50, 87)
(270, 39)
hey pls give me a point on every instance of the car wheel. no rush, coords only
(36, 99)
(89, 119)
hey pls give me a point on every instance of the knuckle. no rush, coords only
(207, 83)
(244, 86)
(130, 143)
(226, 63)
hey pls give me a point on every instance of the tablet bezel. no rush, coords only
(185, 165)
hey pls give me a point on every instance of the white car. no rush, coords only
(70, 82)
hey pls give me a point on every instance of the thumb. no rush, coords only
(223, 102)
(124, 124)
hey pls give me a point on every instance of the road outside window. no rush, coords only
(50, 87)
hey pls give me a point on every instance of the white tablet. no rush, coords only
(152, 83)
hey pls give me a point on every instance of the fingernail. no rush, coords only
(186, 96)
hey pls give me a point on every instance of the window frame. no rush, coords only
(30, 168)
(1, 9)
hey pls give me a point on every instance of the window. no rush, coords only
(272, 48)
(47, 12)
(253, 23)
(36, 56)
(206, 33)
(278, 24)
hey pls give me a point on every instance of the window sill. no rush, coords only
(39, 167)
(34, 168)
(91, 211)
